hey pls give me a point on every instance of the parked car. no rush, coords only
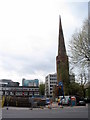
(87, 100)
(47, 101)
(80, 101)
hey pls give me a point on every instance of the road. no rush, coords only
(66, 112)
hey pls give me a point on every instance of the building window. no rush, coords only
(50, 88)
(51, 85)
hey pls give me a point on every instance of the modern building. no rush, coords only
(19, 91)
(10, 88)
(7, 82)
(26, 82)
(50, 82)
(62, 61)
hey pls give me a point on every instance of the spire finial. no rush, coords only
(61, 44)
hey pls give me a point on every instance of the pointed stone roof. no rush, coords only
(61, 44)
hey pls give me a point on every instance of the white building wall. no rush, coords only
(50, 81)
(49, 84)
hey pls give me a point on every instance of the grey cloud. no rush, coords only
(28, 64)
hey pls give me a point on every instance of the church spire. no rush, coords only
(61, 44)
(62, 61)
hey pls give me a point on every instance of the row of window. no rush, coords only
(53, 83)
(20, 93)
(53, 75)
(53, 79)
(19, 89)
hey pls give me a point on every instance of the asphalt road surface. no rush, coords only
(66, 112)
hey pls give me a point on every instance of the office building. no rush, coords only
(7, 82)
(34, 82)
(50, 82)
(10, 88)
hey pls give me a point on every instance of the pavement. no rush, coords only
(45, 112)
(0, 114)
(0, 108)
(53, 106)
(55, 112)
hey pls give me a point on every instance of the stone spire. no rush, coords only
(62, 61)
(61, 44)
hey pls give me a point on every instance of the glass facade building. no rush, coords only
(34, 82)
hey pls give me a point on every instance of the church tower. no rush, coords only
(62, 61)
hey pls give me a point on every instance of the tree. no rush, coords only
(80, 47)
(75, 89)
(42, 89)
(80, 51)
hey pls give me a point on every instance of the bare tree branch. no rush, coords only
(80, 49)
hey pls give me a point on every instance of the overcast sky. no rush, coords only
(29, 35)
